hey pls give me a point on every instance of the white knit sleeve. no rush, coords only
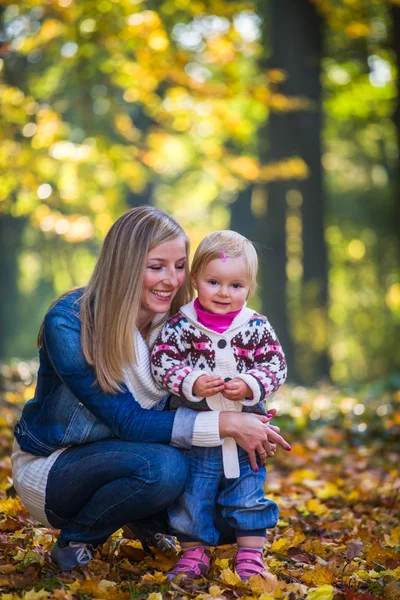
(206, 429)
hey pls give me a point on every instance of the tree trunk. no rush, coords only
(11, 230)
(242, 218)
(396, 118)
(296, 42)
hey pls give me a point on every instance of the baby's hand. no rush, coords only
(208, 385)
(236, 389)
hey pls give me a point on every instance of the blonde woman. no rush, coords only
(89, 456)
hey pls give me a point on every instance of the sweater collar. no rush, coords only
(239, 321)
(216, 322)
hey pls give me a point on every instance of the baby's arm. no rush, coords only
(268, 372)
(169, 366)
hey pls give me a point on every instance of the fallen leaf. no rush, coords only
(354, 550)
(264, 584)
(231, 578)
(323, 592)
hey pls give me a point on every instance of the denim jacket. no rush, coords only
(69, 408)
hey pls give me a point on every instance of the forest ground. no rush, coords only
(338, 534)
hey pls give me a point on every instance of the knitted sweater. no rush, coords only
(249, 349)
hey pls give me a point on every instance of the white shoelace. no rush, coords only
(83, 554)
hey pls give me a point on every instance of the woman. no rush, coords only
(88, 456)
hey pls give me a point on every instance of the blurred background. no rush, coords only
(279, 119)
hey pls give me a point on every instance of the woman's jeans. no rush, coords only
(96, 488)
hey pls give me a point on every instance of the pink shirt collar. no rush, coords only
(217, 323)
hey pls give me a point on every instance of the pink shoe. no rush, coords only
(249, 562)
(193, 563)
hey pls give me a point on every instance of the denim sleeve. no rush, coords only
(182, 432)
(120, 411)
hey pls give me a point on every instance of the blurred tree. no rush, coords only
(395, 13)
(293, 225)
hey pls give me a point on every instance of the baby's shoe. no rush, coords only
(193, 563)
(249, 562)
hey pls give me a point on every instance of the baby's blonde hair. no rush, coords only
(234, 245)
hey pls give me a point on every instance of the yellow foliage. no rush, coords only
(39, 595)
(292, 168)
(222, 563)
(11, 506)
(157, 578)
(393, 539)
(264, 584)
(315, 506)
(319, 576)
(155, 596)
(299, 475)
(358, 30)
(328, 491)
(323, 592)
(280, 545)
(51, 29)
(231, 578)
(247, 167)
(395, 573)
(276, 75)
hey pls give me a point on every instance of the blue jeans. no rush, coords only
(209, 495)
(96, 488)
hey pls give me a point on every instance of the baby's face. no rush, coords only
(223, 287)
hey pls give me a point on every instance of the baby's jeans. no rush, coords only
(240, 501)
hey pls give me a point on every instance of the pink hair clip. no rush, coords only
(223, 256)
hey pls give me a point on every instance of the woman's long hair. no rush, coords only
(111, 301)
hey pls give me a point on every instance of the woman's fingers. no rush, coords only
(253, 460)
(275, 428)
(273, 436)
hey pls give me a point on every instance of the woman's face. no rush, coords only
(164, 275)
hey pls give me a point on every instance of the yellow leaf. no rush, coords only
(264, 584)
(328, 491)
(215, 591)
(315, 506)
(222, 563)
(301, 474)
(74, 587)
(11, 507)
(393, 539)
(280, 545)
(155, 596)
(298, 538)
(395, 573)
(105, 584)
(32, 595)
(156, 577)
(230, 577)
(374, 574)
(318, 576)
(323, 592)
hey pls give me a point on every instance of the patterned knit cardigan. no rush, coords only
(248, 349)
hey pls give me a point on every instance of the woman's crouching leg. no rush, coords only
(95, 489)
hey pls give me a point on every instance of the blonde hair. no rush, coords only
(111, 301)
(234, 245)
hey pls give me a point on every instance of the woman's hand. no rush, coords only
(253, 433)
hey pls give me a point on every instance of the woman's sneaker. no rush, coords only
(249, 562)
(193, 563)
(73, 554)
